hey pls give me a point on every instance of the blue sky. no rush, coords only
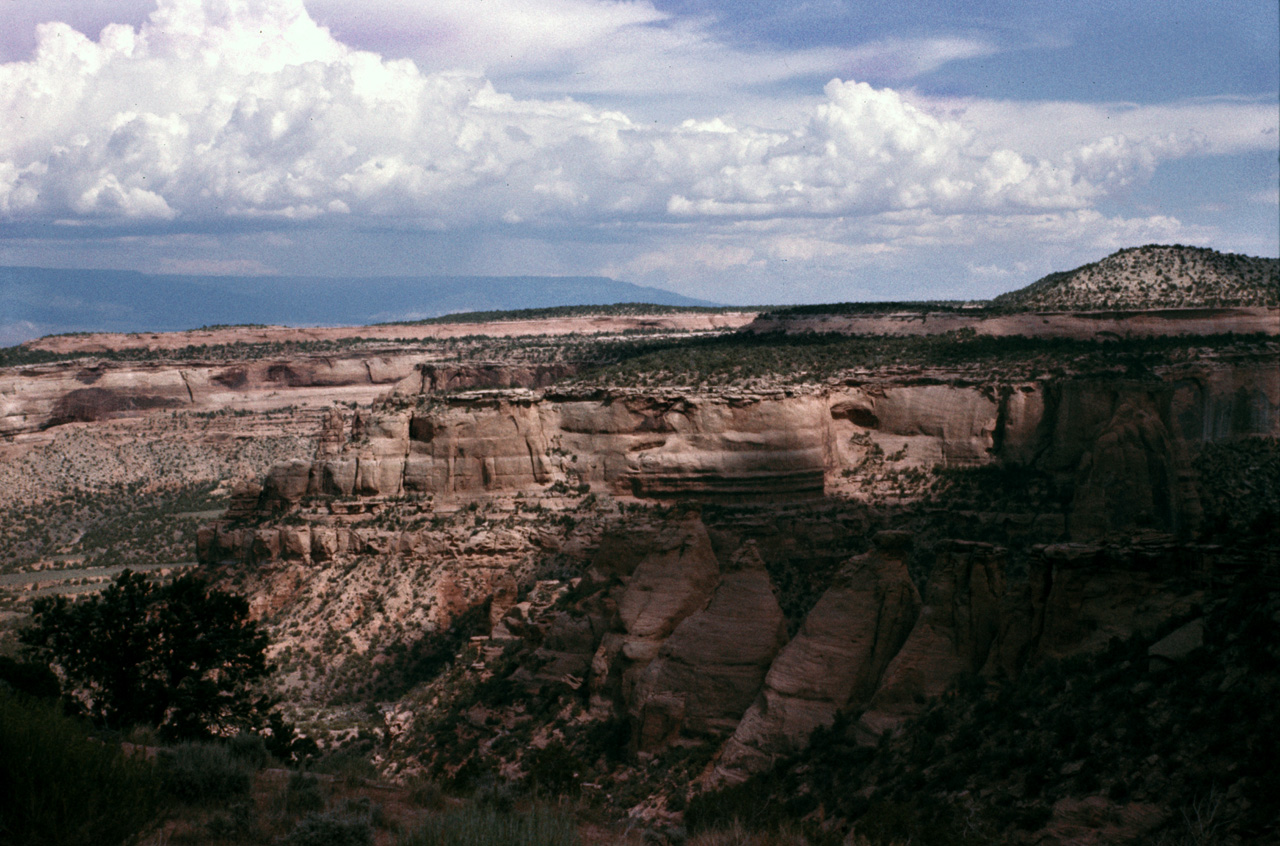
(743, 152)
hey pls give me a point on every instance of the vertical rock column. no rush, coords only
(676, 579)
(712, 666)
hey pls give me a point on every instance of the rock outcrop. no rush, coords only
(712, 666)
(510, 441)
(957, 627)
(834, 663)
(1122, 445)
(1083, 595)
(1129, 476)
(43, 396)
(675, 579)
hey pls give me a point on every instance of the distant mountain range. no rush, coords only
(36, 301)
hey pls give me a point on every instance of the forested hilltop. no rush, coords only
(1154, 276)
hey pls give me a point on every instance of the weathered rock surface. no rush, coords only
(833, 663)
(1129, 477)
(212, 336)
(1179, 643)
(958, 625)
(1122, 445)
(674, 580)
(42, 396)
(711, 667)
(517, 440)
(937, 424)
(1082, 595)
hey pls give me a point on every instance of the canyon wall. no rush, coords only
(38, 397)
(690, 630)
(1123, 445)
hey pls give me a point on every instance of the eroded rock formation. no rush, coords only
(835, 661)
(954, 633)
(711, 667)
(1123, 446)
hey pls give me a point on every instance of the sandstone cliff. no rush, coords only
(42, 396)
(1123, 445)
(834, 663)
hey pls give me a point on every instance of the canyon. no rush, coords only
(683, 637)
(687, 553)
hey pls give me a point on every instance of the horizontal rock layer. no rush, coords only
(1124, 445)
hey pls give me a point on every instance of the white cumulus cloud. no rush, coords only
(251, 110)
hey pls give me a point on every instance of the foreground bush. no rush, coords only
(60, 787)
(334, 828)
(204, 773)
(477, 826)
(182, 657)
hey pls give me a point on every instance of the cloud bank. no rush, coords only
(250, 111)
(248, 108)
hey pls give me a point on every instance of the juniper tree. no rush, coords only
(183, 657)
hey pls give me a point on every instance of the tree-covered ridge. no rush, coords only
(1154, 276)
(873, 309)
(745, 360)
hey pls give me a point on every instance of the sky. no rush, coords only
(738, 151)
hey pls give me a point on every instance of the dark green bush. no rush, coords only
(426, 793)
(480, 826)
(199, 773)
(182, 656)
(303, 794)
(35, 680)
(238, 823)
(758, 803)
(350, 763)
(60, 787)
(330, 829)
(553, 770)
(249, 748)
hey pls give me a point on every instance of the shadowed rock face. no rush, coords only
(711, 667)
(683, 637)
(1082, 595)
(673, 580)
(954, 634)
(1129, 476)
(833, 663)
(85, 405)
